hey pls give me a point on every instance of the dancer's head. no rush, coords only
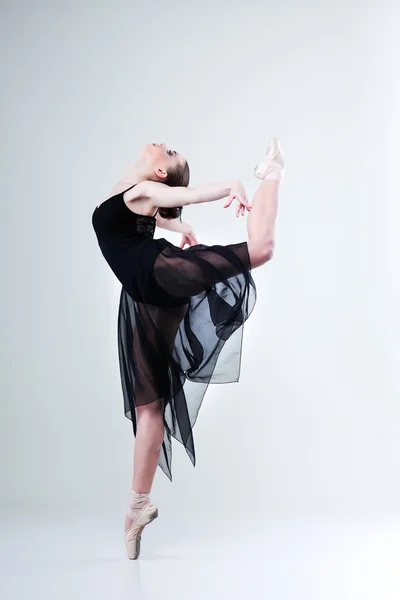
(167, 166)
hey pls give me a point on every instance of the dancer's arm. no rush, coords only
(162, 195)
(173, 225)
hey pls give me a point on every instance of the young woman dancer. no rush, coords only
(179, 307)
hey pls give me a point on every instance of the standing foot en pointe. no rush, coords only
(140, 513)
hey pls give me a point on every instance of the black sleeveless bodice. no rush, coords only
(117, 227)
(125, 239)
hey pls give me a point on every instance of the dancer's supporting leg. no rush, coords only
(150, 424)
(149, 438)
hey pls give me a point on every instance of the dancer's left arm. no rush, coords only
(173, 225)
(188, 235)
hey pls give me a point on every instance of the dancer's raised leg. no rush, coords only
(262, 218)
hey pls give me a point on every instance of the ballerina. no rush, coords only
(178, 306)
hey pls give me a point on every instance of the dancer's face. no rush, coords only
(159, 159)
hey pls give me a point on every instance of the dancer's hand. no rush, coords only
(238, 193)
(189, 239)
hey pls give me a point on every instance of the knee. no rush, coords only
(151, 423)
(151, 412)
(267, 252)
(261, 252)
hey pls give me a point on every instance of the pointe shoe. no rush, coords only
(133, 534)
(273, 165)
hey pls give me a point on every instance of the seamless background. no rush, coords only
(311, 431)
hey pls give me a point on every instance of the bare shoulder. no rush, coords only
(149, 189)
(144, 190)
(139, 200)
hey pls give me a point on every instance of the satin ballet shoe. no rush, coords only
(273, 165)
(133, 534)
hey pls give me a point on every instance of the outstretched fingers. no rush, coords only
(243, 204)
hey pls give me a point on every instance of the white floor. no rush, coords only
(252, 559)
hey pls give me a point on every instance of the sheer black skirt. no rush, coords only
(179, 329)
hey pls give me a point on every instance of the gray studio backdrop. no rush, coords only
(313, 424)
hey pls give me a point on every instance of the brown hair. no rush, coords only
(177, 177)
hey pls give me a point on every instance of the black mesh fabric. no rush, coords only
(180, 318)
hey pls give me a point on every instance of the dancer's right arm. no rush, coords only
(162, 195)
